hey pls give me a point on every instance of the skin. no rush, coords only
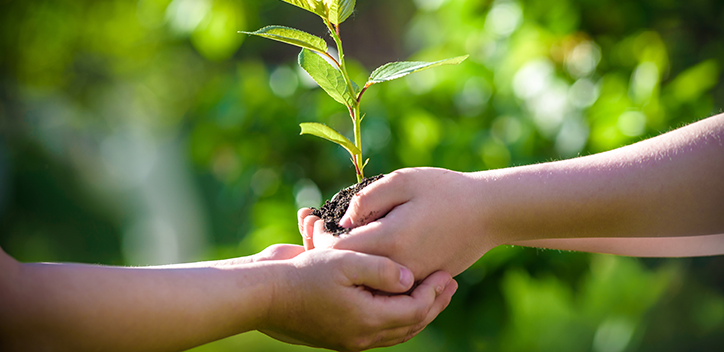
(315, 298)
(662, 197)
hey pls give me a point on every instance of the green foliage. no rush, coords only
(313, 6)
(328, 77)
(292, 36)
(322, 131)
(395, 70)
(335, 80)
(339, 10)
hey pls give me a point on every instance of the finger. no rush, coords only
(432, 286)
(308, 231)
(389, 337)
(377, 273)
(392, 337)
(321, 238)
(424, 304)
(378, 238)
(441, 302)
(424, 312)
(301, 215)
(376, 200)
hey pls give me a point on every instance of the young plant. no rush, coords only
(331, 74)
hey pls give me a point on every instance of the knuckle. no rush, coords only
(409, 336)
(386, 271)
(403, 179)
(357, 202)
(302, 213)
(411, 332)
(399, 175)
(309, 221)
(421, 314)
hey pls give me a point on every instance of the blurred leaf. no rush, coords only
(312, 6)
(395, 70)
(339, 10)
(292, 36)
(326, 132)
(693, 82)
(328, 77)
(215, 40)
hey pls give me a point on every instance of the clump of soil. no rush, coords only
(333, 210)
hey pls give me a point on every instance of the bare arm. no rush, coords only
(656, 247)
(70, 307)
(659, 197)
(668, 186)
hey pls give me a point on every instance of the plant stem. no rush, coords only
(340, 50)
(354, 109)
(359, 96)
(358, 142)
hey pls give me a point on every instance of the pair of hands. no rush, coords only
(426, 219)
(323, 299)
(331, 305)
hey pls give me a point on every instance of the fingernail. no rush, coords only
(346, 222)
(439, 289)
(406, 277)
(452, 283)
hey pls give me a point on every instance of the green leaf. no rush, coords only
(339, 10)
(313, 6)
(292, 36)
(327, 76)
(395, 70)
(325, 132)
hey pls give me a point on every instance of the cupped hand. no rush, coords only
(424, 218)
(326, 299)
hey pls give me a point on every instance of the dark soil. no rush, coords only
(333, 210)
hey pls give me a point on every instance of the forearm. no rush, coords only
(82, 307)
(667, 186)
(690, 246)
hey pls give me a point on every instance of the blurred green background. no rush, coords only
(141, 132)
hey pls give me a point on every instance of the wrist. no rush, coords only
(507, 206)
(278, 295)
(483, 190)
(532, 202)
(252, 293)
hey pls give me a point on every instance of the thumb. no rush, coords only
(375, 200)
(279, 252)
(377, 273)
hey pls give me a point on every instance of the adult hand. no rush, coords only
(324, 299)
(424, 218)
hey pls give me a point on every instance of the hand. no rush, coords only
(278, 252)
(431, 222)
(324, 300)
(273, 252)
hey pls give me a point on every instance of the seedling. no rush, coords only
(331, 74)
